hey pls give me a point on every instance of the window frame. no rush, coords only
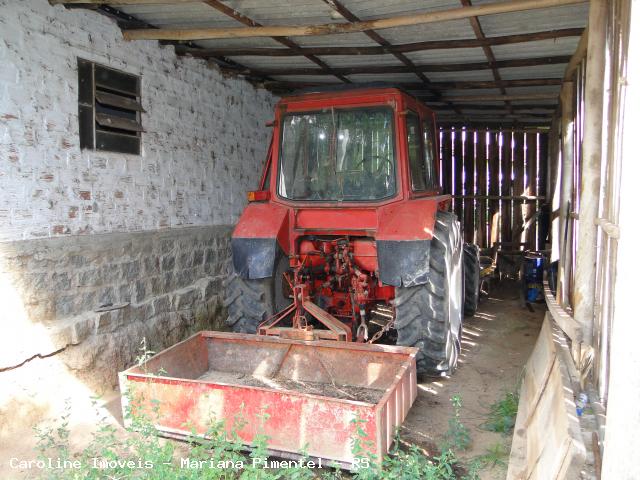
(431, 186)
(394, 152)
(109, 109)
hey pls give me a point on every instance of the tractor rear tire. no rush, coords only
(248, 302)
(429, 316)
(471, 268)
(251, 302)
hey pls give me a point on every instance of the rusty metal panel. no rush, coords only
(320, 424)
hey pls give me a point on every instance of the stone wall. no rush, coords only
(95, 298)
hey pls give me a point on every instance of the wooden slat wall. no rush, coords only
(498, 180)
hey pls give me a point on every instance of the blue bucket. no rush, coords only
(533, 276)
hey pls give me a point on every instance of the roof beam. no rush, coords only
(479, 33)
(500, 108)
(500, 98)
(403, 48)
(441, 67)
(333, 28)
(230, 12)
(438, 86)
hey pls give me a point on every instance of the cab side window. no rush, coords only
(429, 153)
(416, 154)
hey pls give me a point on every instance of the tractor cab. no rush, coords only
(359, 145)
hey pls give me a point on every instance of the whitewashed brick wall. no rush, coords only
(206, 137)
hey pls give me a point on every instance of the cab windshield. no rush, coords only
(337, 155)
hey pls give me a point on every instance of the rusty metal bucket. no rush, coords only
(310, 391)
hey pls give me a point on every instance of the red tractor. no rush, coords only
(349, 236)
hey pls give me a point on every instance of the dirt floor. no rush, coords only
(497, 342)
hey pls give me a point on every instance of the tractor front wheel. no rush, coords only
(429, 316)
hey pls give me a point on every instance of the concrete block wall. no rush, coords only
(98, 249)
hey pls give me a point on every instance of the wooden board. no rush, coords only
(506, 190)
(456, 168)
(547, 443)
(518, 187)
(494, 188)
(482, 230)
(468, 183)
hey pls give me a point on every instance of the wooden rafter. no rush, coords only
(479, 33)
(500, 98)
(334, 28)
(441, 67)
(549, 107)
(436, 86)
(403, 48)
(230, 12)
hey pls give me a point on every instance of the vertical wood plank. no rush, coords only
(518, 188)
(544, 221)
(506, 165)
(482, 230)
(530, 188)
(446, 162)
(456, 168)
(494, 188)
(469, 180)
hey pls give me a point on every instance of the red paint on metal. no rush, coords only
(295, 421)
(353, 219)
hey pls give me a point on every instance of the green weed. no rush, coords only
(502, 414)
(457, 436)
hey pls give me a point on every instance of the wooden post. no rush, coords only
(553, 185)
(585, 275)
(565, 174)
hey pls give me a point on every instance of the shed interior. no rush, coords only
(122, 232)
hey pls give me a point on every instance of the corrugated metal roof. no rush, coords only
(310, 12)
(351, 39)
(555, 18)
(387, 78)
(457, 55)
(472, 75)
(453, 30)
(372, 9)
(526, 90)
(539, 71)
(540, 48)
(361, 61)
(275, 62)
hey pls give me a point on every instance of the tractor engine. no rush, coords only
(340, 275)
